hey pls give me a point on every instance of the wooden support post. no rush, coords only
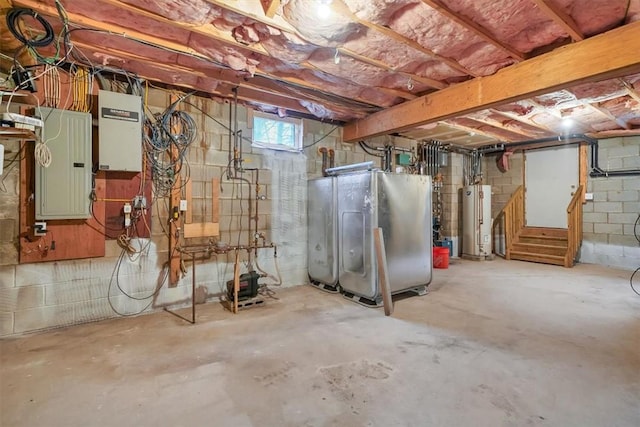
(188, 195)
(383, 271)
(174, 214)
(582, 165)
(236, 282)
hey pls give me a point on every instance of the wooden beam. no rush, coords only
(561, 18)
(614, 133)
(475, 28)
(582, 167)
(270, 7)
(609, 55)
(201, 229)
(175, 219)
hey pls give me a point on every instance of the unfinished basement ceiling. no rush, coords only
(362, 57)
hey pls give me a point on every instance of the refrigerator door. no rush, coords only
(404, 214)
(322, 231)
(356, 217)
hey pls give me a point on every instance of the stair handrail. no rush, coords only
(574, 225)
(513, 216)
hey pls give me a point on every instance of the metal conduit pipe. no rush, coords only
(597, 172)
(350, 168)
(332, 158)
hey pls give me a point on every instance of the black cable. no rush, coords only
(631, 281)
(323, 137)
(637, 236)
(16, 14)
(366, 149)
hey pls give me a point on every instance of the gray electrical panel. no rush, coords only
(119, 132)
(63, 189)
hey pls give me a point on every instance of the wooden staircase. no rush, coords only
(557, 246)
(538, 244)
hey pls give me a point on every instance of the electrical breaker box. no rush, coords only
(119, 131)
(63, 189)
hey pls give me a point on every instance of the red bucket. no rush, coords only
(441, 257)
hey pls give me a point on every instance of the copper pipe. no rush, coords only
(323, 151)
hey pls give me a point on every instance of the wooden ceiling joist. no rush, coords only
(607, 114)
(608, 55)
(475, 28)
(339, 7)
(156, 41)
(209, 30)
(561, 18)
(524, 120)
(257, 89)
(471, 130)
(498, 124)
(630, 90)
(270, 7)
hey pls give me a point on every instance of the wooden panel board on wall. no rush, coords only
(65, 239)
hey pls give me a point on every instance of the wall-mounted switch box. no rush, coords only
(183, 205)
(139, 202)
(588, 196)
(40, 228)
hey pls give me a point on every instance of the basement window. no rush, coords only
(271, 131)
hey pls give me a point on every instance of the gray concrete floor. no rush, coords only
(495, 343)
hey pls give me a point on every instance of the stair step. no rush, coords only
(542, 258)
(543, 240)
(544, 231)
(537, 248)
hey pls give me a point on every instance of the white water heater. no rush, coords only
(476, 221)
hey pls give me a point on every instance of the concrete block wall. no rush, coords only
(54, 294)
(503, 184)
(9, 187)
(609, 219)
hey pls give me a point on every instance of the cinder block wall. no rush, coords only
(609, 219)
(53, 294)
(503, 185)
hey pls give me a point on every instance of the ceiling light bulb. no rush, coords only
(336, 57)
(567, 123)
(323, 10)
